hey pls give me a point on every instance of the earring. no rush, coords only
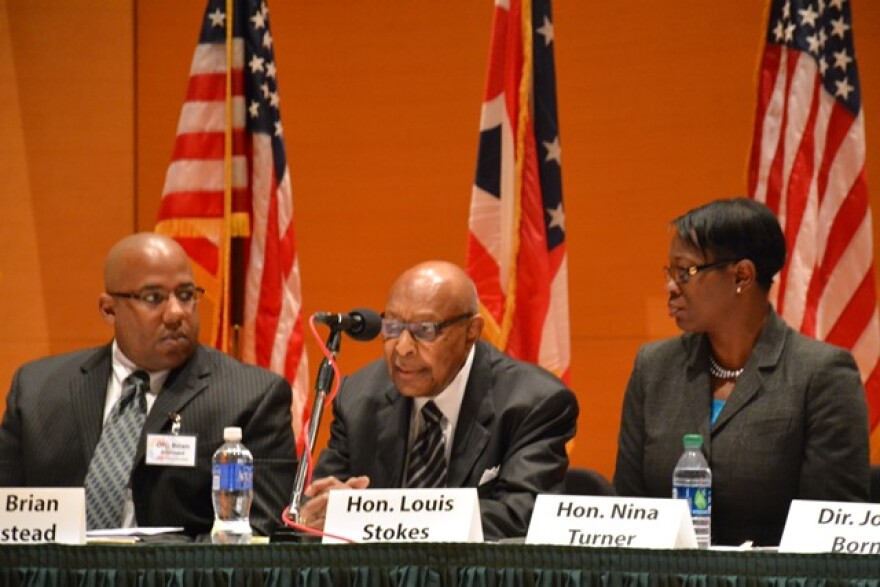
(739, 289)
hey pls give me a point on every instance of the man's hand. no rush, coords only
(314, 510)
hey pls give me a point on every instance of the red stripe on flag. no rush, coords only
(204, 145)
(856, 314)
(769, 71)
(776, 179)
(849, 217)
(497, 52)
(799, 182)
(192, 204)
(486, 274)
(211, 87)
(201, 251)
(839, 124)
(270, 287)
(532, 275)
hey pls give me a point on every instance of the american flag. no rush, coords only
(516, 245)
(808, 166)
(210, 199)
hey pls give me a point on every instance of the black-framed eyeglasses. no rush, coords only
(156, 297)
(424, 331)
(683, 274)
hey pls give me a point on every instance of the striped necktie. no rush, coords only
(427, 457)
(110, 470)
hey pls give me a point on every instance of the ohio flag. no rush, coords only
(516, 245)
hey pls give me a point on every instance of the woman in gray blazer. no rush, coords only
(782, 416)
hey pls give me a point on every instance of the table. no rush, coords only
(417, 565)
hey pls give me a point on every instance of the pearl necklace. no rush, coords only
(720, 372)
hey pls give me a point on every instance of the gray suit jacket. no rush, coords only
(514, 416)
(54, 416)
(795, 427)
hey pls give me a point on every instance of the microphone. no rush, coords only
(360, 324)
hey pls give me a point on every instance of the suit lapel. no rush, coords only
(474, 419)
(87, 395)
(765, 355)
(695, 408)
(391, 440)
(183, 384)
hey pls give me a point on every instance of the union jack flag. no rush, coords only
(808, 166)
(217, 191)
(516, 245)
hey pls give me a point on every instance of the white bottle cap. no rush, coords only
(232, 434)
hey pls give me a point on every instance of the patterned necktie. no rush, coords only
(427, 458)
(110, 470)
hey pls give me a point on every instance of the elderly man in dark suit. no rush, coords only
(59, 407)
(504, 423)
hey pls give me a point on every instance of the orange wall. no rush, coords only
(381, 104)
(66, 169)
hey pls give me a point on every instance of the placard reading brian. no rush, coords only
(623, 522)
(36, 514)
(403, 515)
(831, 526)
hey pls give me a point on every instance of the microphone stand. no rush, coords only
(322, 387)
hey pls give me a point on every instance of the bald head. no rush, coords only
(141, 246)
(439, 282)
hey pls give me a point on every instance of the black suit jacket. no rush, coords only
(54, 417)
(795, 427)
(515, 417)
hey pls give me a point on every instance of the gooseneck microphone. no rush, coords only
(360, 324)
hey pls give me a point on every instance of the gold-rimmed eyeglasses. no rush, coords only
(682, 275)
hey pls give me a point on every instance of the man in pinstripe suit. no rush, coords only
(57, 405)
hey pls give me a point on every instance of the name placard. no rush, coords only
(831, 526)
(622, 522)
(36, 514)
(404, 515)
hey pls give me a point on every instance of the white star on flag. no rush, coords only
(554, 151)
(557, 217)
(217, 18)
(546, 31)
(256, 64)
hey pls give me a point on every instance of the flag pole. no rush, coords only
(227, 181)
(236, 225)
(523, 116)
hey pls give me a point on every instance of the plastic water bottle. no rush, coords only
(692, 480)
(232, 490)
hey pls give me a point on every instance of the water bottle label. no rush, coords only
(699, 499)
(233, 476)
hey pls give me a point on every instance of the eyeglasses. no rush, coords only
(424, 331)
(682, 275)
(155, 297)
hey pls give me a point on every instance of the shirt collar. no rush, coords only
(123, 367)
(449, 399)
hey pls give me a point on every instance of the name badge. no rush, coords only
(35, 514)
(171, 450)
(620, 522)
(831, 526)
(403, 515)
